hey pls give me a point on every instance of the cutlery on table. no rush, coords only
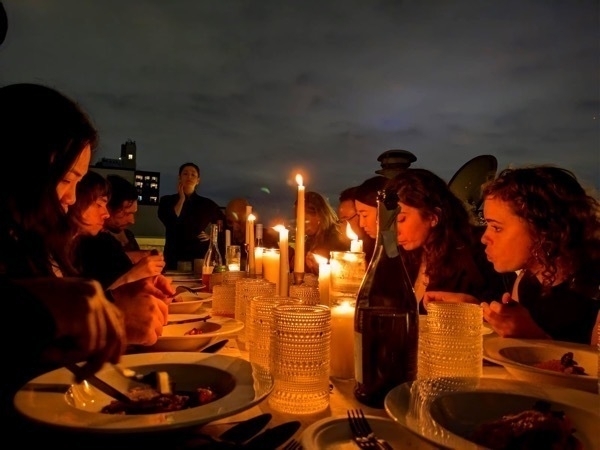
(99, 384)
(272, 438)
(157, 380)
(362, 433)
(191, 319)
(293, 445)
(180, 289)
(235, 436)
(214, 348)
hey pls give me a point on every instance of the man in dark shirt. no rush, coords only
(186, 215)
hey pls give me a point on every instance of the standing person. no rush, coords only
(48, 134)
(441, 247)
(186, 216)
(104, 255)
(542, 224)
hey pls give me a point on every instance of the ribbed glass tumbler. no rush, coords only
(245, 289)
(308, 294)
(223, 300)
(300, 353)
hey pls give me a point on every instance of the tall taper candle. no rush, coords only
(300, 224)
(284, 263)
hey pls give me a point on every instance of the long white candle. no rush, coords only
(284, 265)
(270, 262)
(300, 224)
(247, 235)
(251, 256)
(342, 341)
(324, 279)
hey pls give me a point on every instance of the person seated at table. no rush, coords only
(101, 253)
(58, 311)
(347, 214)
(323, 232)
(543, 233)
(440, 245)
(365, 202)
(50, 137)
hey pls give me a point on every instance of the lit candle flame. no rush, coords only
(279, 228)
(350, 233)
(251, 217)
(320, 259)
(299, 179)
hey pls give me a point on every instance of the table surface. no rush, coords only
(341, 399)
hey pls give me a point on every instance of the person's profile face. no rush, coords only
(367, 218)
(123, 217)
(94, 216)
(347, 214)
(412, 229)
(66, 188)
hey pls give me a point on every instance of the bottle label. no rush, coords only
(358, 369)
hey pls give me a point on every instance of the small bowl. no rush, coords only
(189, 303)
(174, 338)
(519, 357)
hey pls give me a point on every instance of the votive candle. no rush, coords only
(342, 341)
(258, 259)
(324, 279)
(270, 263)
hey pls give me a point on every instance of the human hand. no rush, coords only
(148, 266)
(449, 297)
(88, 327)
(180, 190)
(509, 318)
(145, 313)
(203, 236)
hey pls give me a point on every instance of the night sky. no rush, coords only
(254, 91)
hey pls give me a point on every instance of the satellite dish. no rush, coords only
(3, 23)
(467, 181)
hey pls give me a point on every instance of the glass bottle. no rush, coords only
(213, 261)
(258, 250)
(386, 320)
(259, 235)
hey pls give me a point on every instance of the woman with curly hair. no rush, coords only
(441, 247)
(543, 232)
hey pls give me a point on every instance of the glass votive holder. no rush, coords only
(233, 257)
(300, 351)
(347, 270)
(308, 294)
(342, 340)
(223, 300)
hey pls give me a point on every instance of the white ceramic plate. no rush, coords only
(77, 407)
(174, 339)
(333, 433)
(188, 302)
(518, 357)
(450, 417)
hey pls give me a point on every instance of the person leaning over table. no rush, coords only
(440, 245)
(100, 253)
(543, 225)
(50, 140)
(323, 232)
(68, 320)
(347, 214)
(186, 216)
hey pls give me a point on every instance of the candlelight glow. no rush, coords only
(299, 179)
(320, 259)
(279, 228)
(350, 233)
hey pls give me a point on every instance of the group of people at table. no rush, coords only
(80, 290)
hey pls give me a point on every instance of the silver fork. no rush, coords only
(293, 445)
(362, 433)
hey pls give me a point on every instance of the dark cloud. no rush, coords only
(254, 91)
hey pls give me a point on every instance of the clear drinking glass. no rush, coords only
(245, 289)
(223, 300)
(300, 350)
(233, 258)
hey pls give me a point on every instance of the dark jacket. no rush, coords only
(181, 233)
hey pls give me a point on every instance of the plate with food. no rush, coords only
(499, 414)
(206, 387)
(545, 361)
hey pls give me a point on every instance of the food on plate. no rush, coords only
(538, 428)
(193, 332)
(566, 364)
(149, 401)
